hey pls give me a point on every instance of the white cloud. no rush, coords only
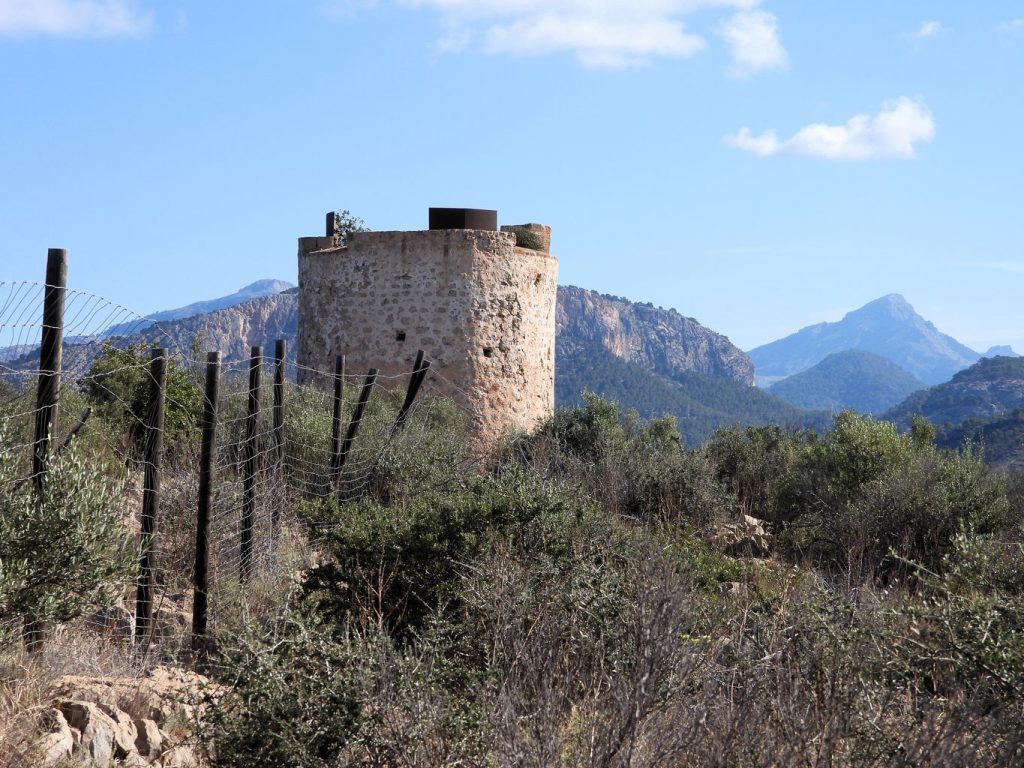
(596, 42)
(893, 132)
(600, 33)
(927, 29)
(753, 40)
(73, 18)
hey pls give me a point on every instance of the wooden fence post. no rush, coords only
(419, 373)
(250, 463)
(151, 491)
(357, 417)
(50, 355)
(279, 465)
(47, 394)
(200, 577)
(339, 396)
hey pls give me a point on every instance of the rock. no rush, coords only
(59, 742)
(165, 694)
(138, 722)
(179, 757)
(747, 538)
(125, 733)
(96, 727)
(150, 740)
(731, 588)
(113, 621)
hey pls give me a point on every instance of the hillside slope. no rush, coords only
(888, 326)
(991, 388)
(1001, 438)
(851, 380)
(700, 403)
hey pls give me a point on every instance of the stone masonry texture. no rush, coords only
(482, 310)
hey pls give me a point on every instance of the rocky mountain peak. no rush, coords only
(661, 340)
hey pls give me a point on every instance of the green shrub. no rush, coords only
(633, 468)
(962, 632)
(865, 490)
(292, 698)
(754, 465)
(526, 238)
(65, 552)
(119, 387)
(392, 566)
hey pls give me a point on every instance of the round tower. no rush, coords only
(481, 306)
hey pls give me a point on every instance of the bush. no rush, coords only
(525, 238)
(292, 700)
(754, 465)
(65, 552)
(865, 490)
(393, 567)
(119, 386)
(630, 467)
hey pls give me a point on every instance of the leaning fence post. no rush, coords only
(419, 373)
(339, 395)
(357, 417)
(250, 464)
(200, 579)
(151, 491)
(47, 395)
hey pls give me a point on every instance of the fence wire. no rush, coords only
(105, 387)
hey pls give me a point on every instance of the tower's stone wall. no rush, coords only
(482, 309)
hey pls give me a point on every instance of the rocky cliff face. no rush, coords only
(661, 340)
(233, 331)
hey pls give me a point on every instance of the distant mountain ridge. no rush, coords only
(850, 380)
(888, 327)
(258, 289)
(991, 388)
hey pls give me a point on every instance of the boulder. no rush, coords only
(59, 742)
(150, 740)
(746, 538)
(96, 727)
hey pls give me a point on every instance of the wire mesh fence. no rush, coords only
(276, 446)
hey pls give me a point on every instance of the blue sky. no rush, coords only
(759, 166)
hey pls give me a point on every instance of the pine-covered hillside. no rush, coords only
(850, 380)
(991, 388)
(700, 403)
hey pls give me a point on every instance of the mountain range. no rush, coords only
(992, 388)
(653, 360)
(888, 327)
(252, 291)
(657, 361)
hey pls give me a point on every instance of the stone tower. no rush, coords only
(481, 306)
